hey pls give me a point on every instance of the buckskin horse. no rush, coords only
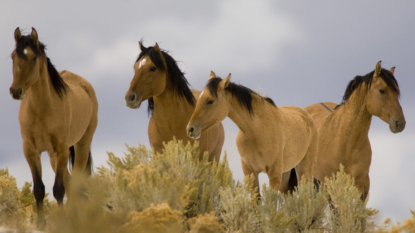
(171, 102)
(271, 139)
(58, 114)
(343, 129)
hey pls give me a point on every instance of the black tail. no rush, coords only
(293, 181)
(89, 169)
(71, 157)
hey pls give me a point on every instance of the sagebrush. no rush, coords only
(175, 192)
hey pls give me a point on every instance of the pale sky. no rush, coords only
(297, 53)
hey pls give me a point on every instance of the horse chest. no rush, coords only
(40, 133)
(254, 153)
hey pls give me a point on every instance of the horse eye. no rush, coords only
(152, 69)
(34, 59)
(382, 91)
(210, 102)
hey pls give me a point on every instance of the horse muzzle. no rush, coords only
(397, 126)
(193, 132)
(132, 100)
(17, 93)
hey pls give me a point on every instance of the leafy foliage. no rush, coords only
(17, 208)
(307, 205)
(348, 212)
(174, 191)
(238, 208)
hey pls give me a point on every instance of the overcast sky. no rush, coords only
(297, 53)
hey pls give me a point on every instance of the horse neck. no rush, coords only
(355, 118)
(245, 121)
(168, 103)
(40, 93)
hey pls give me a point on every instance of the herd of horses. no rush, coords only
(58, 114)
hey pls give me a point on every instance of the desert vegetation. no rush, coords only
(175, 192)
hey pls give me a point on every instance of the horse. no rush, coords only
(58, 114)
(171, 102)
(271, 139)
(343, 129)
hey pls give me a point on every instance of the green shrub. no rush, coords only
(307, 205)
(274, 218)
(9, 196)
(238, 207)
(348, 211)
(206, 223)
(174, 191)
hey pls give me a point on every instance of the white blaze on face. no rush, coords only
(142, 62)
(25, 51)
(201, 93)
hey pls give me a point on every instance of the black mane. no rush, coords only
(57, 82)
(355, 83)
(177, 79)
(241, 93)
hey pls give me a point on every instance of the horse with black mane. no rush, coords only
(271, 139)
(58, 114)
(343, 129)
(171, 102)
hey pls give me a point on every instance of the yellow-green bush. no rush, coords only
(175, 192)
(307, 205)
(9, 196)
(205, 223)
(18, 208)
(348, 212)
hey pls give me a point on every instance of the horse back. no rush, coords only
(78, 83)
(320, 111)
(297, 119)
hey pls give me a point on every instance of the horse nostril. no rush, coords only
(132, 97)
(397, 124)
(19, 92)
(191, 130)
(11, 90)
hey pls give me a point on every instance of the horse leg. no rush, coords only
(248, 171)
(306, 166)
(363, 184)
(83, 149)
(52, 159)
(275, 173)
(61, 175)
(33, 159)
(289, 181)
(81, 158)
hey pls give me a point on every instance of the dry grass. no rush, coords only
(175, 192)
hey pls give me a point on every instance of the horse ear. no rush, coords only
(378, 68)
(34, 37)
(140, 44)
(157, 48)
(212, 75)
(225, 82)
(392, 70)
(17, 35)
